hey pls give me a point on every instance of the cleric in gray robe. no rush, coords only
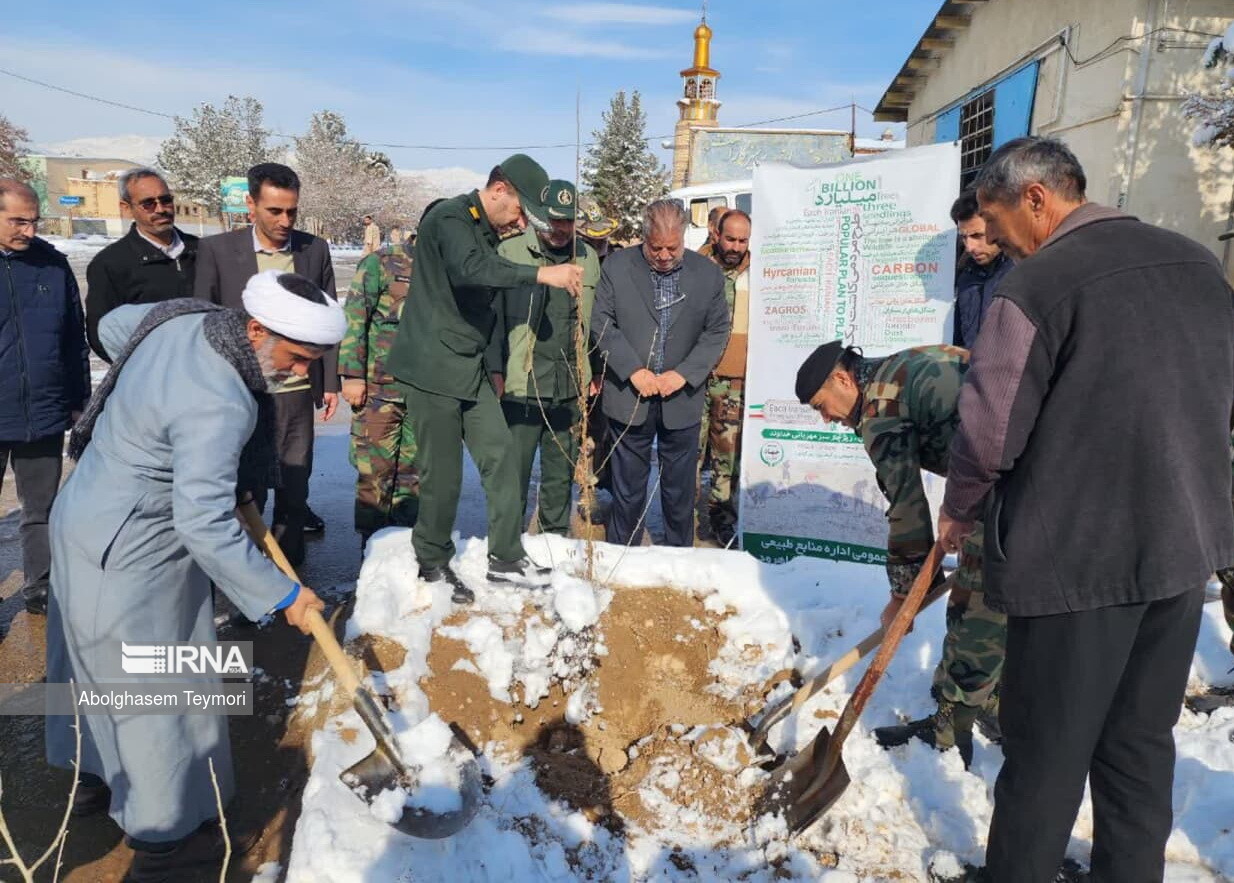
(147, 520)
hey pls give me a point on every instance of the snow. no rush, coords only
(1205, 134)
(486, 642)
(575, 604)
(268, 873)
(87, 245)
(141, 149)
(909, 812)
(1210, 54)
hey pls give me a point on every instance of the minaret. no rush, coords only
(698, 103)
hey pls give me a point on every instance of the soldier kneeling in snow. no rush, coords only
(904, 407)
(142, 526)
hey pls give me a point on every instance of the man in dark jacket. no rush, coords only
(981, 267)
(154, 262)
(46, 369)
(225, 263)
(1096, 419)
(660, 324)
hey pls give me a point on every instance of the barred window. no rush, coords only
(976, 135)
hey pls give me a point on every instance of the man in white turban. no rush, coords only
(142, 526)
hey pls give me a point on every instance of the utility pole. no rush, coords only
(852, 131)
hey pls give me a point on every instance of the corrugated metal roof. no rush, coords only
(936, 42)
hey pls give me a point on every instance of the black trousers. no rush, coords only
(630, 467)
(293, 443)
(1093, 694)
(37, 466)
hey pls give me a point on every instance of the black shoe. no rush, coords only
(925, 730)
(313, 522)
(92, 796)
(201, 850)
(459, 594)
(987, 722)
(520, 573)
(36, 602)
(1071, 871)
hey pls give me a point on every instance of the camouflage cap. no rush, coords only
(562, 201)
(531, 182)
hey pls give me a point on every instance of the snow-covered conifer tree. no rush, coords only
(620, 172)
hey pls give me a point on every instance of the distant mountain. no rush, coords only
(432, 183)
(137, 148)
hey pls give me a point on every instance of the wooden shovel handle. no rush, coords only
(261, 536)
(891, 642)
(812, 687)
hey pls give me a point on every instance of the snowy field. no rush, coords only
(909, 814)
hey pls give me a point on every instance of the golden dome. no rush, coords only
(702, 46)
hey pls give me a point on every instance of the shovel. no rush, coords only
(810, 783)
(769, 717)
(384, 767)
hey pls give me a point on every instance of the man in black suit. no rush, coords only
(660, 324)
(225, 263)
(154, 262)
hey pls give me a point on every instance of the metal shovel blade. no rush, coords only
(383, 768)
(802, 788)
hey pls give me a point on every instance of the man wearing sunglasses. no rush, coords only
(154, 262)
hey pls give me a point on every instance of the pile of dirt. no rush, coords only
(661, 735)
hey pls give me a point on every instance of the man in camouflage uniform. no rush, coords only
(383, 447)
(542, 328)
(905, 408)
(721, 441)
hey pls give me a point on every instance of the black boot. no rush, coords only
(459, 594)
(313, 522)
(951, 726)
(92, 796)
(36, 600)
(1070, 871)
(171, 862)
(522, 572)
(987, 720)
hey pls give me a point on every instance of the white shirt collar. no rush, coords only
(257, 246)
(173, 251)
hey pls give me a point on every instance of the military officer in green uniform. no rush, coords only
(543, 328)
(443, 357)
(383, 447)
(905, 409)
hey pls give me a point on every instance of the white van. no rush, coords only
(700, 199)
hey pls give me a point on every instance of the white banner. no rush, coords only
(864, 252)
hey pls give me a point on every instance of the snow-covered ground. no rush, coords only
(907, 812)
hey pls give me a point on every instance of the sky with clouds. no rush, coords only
(483, 75)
